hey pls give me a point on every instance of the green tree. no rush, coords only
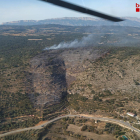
(84, 128)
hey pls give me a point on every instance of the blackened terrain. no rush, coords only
(54, 70)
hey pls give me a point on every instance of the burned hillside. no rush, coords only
(53, 71)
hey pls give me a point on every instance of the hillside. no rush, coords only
(103, 82)
(109, 85)
(81, 21)
(103, 74)
(52, 71)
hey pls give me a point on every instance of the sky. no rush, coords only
(13, 10)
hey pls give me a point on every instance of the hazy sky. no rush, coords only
(13, 10)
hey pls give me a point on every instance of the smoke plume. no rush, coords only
(104, 36)
(85, 41)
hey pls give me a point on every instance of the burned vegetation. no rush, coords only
(53, 71)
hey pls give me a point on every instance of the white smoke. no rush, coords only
(102, 37)
(85, 41)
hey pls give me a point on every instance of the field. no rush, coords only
(77, 130)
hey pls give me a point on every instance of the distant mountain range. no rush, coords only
(78, 21)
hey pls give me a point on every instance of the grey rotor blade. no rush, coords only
(82, 9)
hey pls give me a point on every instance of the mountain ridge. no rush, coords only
(78, 21)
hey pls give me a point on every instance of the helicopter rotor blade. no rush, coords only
(82, 9)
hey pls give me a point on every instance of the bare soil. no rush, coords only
(41, 122)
